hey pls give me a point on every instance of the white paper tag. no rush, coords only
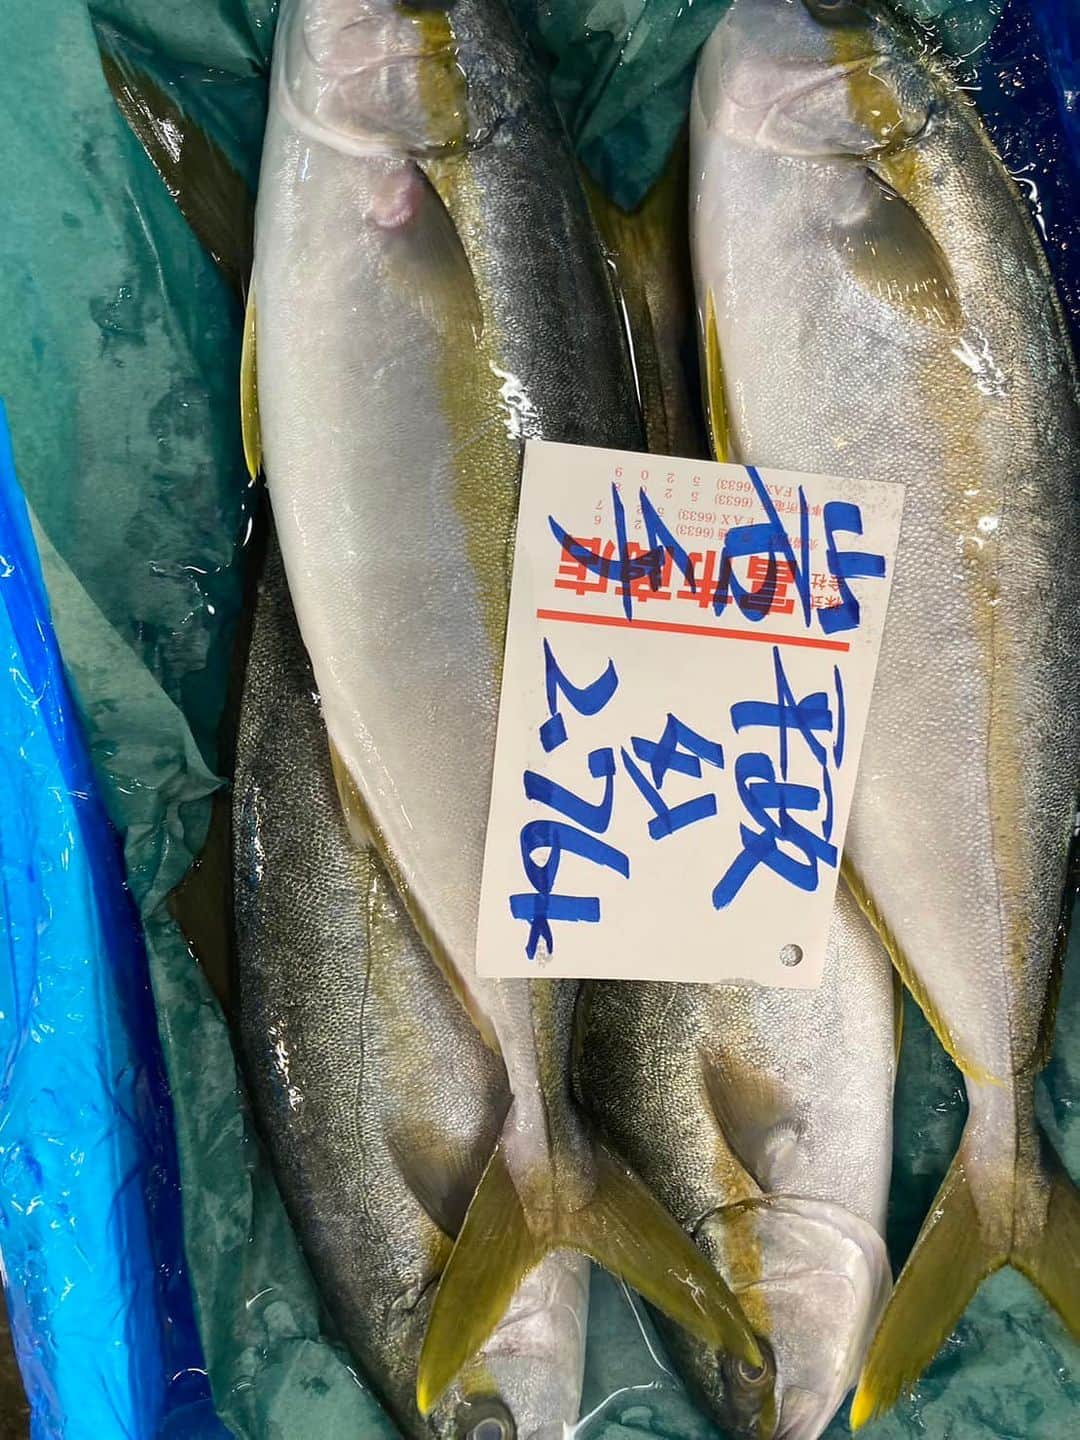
(689, 661)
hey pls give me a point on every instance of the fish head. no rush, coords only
(372, 76)
(819, 79)
(526, 1382)
(812, 1278)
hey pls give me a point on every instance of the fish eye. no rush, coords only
(836, 12)
(745, 1402)
(748, 1378)
(753, 1376)
(485, 1419)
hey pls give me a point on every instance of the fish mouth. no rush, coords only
(813, 1278)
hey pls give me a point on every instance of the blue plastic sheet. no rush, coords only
(89, 1201)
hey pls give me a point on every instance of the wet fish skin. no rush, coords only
(429, 292)
(884, 309)
(649, 250)
(377, 1098)
(392, 425)
(763, 1119)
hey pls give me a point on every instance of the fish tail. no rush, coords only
(621, 1226)
(1022, 1211)
(1049, 1256)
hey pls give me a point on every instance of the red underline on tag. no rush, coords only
(765, 638)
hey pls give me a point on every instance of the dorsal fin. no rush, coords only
(208, 190)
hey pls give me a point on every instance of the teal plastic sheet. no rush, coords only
(119, 358)
(89, 1196)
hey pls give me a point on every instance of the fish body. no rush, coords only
(378, 1099)
(763, 1119)
(429, 292)
(882, 309)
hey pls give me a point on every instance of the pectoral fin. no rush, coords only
(424, 255)
(757, 1123)
(443, 1177)
(892, 255)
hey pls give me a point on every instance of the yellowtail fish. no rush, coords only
(377, 1098)
(428, 292)
(874, 302)
(763, 1120)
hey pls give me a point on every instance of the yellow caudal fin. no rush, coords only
(622, 1228)
(950, 1261)
(495, 1250)
(962, 1243)
(249, 393)
(1051, 1259)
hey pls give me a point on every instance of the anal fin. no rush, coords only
(919, 993)
(715, 399)
(249, 393)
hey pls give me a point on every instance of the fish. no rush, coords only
(428, 293)
(874, 302)
(762, 1118)
(649, 251)
(377, 1098)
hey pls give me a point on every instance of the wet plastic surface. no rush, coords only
(119, 366)
(134, 469)
(90, 1202)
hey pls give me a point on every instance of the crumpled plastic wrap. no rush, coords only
(119, 363)
(89, 1201)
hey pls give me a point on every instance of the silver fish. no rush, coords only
(763, 1120)
(429, 291)
(378, 1099)
(876, 303)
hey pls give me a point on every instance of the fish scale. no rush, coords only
(763, 1119)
